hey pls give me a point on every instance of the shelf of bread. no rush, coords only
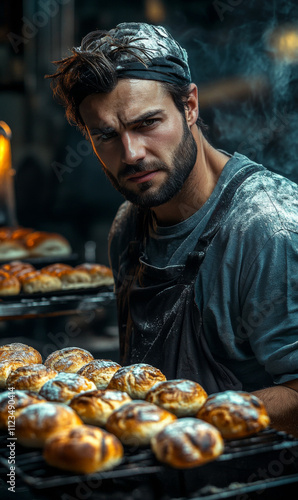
(27, 291)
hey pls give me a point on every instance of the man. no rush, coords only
(205, 250)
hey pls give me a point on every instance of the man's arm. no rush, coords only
(281, 402)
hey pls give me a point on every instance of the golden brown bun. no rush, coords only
(137, 422)
(84, 450)
(20, 233)
(21, 351)
(235, 414)
(38, 422)
(12, 249)
(9, 285)
(99, 274)
(95, 407)
(35, 281)
(68, 275)
(136, 379)
(100, 371)
(13, 402)
(65, 386)
(187, 443)
(182, 397)
(69, 359)
(30, 377)
(17, 266)
(43, 244)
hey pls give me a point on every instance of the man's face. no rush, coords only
(141, 139)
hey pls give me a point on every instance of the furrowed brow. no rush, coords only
(99, 131)
(145, 116)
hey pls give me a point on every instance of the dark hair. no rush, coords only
(89, 70)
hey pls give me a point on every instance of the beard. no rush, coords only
(183, 161)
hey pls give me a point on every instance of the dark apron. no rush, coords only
(159, 320)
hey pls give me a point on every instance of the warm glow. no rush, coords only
(5, 152)
(285, 43)
(155, 11)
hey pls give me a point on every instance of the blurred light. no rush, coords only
(284, 43)
(155, 11)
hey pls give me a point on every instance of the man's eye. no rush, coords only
(104, 137)
(148, 122)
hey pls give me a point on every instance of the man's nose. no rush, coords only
(133, 147)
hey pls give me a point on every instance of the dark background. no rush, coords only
(243, 57)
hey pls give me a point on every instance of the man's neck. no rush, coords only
(198, 187)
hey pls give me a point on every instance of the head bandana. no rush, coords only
(165, 60)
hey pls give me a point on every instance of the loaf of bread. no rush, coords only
(95, 407)
(99, 274)
(68, 359)
(38, 282)
(17, 349)
(100, 371)
(37, 422)
(182, 397)
(137, 422)
(30, 377)
(13, 402)
(85, 449)
(136, 380)
(9, 285)
(44, 244)
(187, 443)
(65, 386)
(17, 266)
(68, 275)
(235, 414)
(12, 249)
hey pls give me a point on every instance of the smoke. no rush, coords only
(253, 48)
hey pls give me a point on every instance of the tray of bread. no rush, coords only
(73, 417)
(26, 243)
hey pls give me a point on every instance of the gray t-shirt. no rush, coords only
(247, 286)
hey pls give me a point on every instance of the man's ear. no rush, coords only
(192, 106)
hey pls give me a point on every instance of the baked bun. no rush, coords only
(44, 244)
(69, 359)
(100, 371)
(12, 249)
(136, 379)
(84, 450)
(235, 414)
(182, 397)
(68, 275)
(21, 351)
(99, 274)
(20, 232)
(38, 422)
(13, 402)
(137, 422)
(9, 285)
(30, 377)
(17, 266)
(36, 281)
(65, 386)
(95, 407)
(187, 443)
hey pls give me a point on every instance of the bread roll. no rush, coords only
(182, 397)
(99, 274)
(12, 249)
(9, 285)
(100, 371)
(16, 266)
(44, 244)
(235, 414)
(95, 407)
(187, 443)
(30, 377)
(38, 422)
(65, 386)
(136, 379)
(20, 232)
(84, 450)
(21, 351)
(13, 402)
(68, 275)
(137, 422)
(69, 359)
(36, 281)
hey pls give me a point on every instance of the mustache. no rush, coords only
(141, 166)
